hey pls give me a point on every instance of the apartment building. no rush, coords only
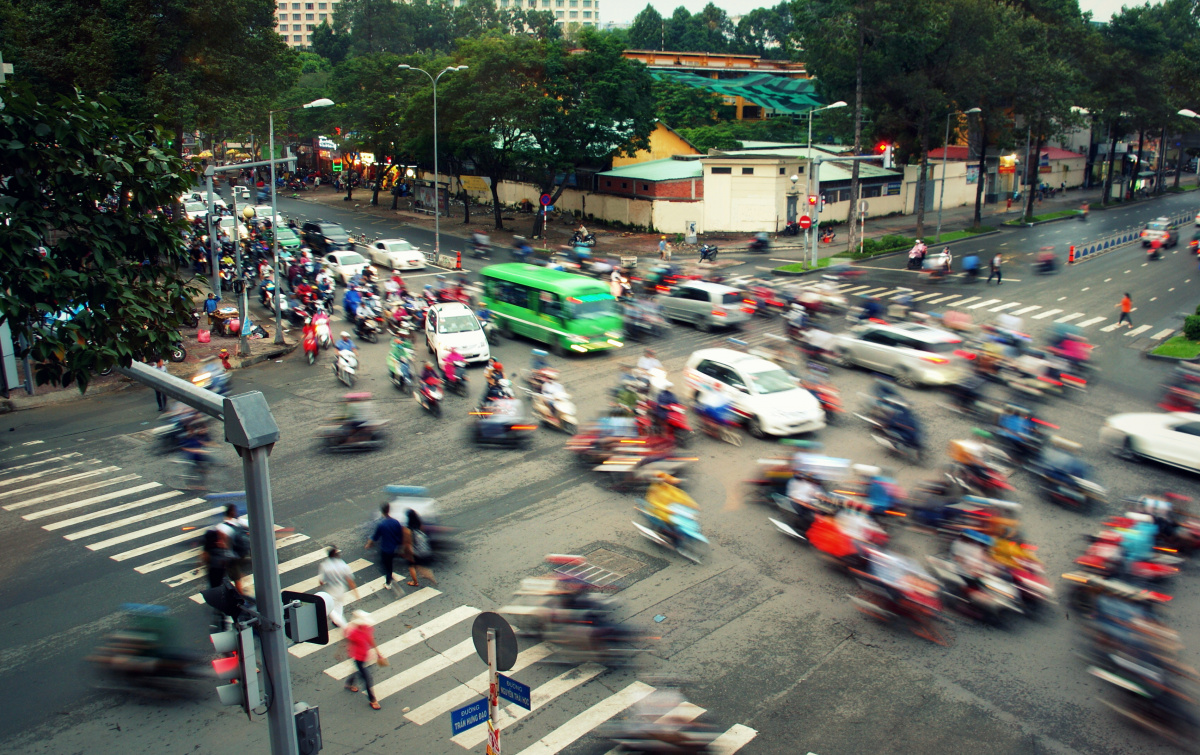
(295, 21)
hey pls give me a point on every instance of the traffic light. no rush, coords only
(308, 729)
(821, 204)
(812, 198)
(238, 665)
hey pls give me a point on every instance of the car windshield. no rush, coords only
(591, 308)
(287, 234)
(731, 297)
(398, 246)
(351, 259)
(1156, 226)
(773, 380)
(194, 207)
(458, 324)
(335, 232)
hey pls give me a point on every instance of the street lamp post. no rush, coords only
(437, 205)
(1186, 113)
(945, 152)
(808, 183)
(323, 102)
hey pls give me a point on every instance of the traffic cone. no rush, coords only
(1071, 255)
(458, 261)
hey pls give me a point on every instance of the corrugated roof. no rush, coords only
(668, 169)
(780, 93)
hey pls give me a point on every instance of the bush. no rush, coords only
(883, 244)
(1198, 309)
(1191, 327)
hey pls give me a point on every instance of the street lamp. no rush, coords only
(808, 187)
(437, 205)
(945, 152)
(323, 102)
(239, 279)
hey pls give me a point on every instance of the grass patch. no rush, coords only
(1178, 347)
(963, 234)
(799, 267)
(1048, 216)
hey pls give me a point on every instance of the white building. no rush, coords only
(296, 20)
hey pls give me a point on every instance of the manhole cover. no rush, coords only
(614, 562)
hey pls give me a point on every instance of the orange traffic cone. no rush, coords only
(1071, 255)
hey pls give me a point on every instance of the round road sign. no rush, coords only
(805, 222)
(506, 640)
(546, 200)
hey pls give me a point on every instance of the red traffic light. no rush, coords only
(812, 198)
(881, 147)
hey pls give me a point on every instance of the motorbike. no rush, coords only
(311, 347)
(139, 657)
(399, 366)
(722, 425)
(817, 383)
(365, 433)
(428, 394)
(681, 534)
(886, 433)
(662, 723)
(559, 414)
(708, 252)
(759, 245)
(915, 602)
(676, 425)
(987, 597)
(766, 302)
(345, 366)
(502, 422)
(791, 229)
(457, 385)
(321, 327)
(916, 257)
(581, 239)
(368, 322)
(1063, 479)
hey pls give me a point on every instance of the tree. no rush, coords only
(682, 106)
(766, 32)
(364, 89)
(330, 45)
(646, 32)
(88, 185)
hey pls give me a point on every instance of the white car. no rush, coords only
(195, 210)
(202, 196)
(454, 325)
(397, 254)
(263, 212)
(770, 399)
(1170, 438)
(344, 265)
(912, 353)
(226, 222)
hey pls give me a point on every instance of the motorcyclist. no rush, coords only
(761, 241)
(663, 401)
(902, 423)
(971, 265)
(351, 301)
(714, 406)
(803, 490)
(872, 310)
(1016, 426)
(662, 496)
(354, 421)
(451, 364)
(400, 355)
(553, 391)
(480, 241)
(305, 293)
(947, 260)
(647, 361)
(345, 344)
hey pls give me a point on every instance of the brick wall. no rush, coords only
(629, 187)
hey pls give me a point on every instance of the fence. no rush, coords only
(1121, 238)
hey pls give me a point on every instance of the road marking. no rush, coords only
(477, 687)
(945, 298)
(1085, 288)
(777, 259)
(510, 714)
(893, 292)
(923, 297)
(35, 463)
(1047, 313)
(968, 300)
(873, 291)
(109, 511)
(188, 555)
(1003, 307)
(980, 305)
(1145, 263)
(71, 491)
(852, 289)
(156, 528)
(1153, 298)
(1169, 290)
(53, 483)
(409, 639)
(1127, 272)
(1138, 330)
(580, 725)
(89, 501)
(313, 583)
(1106, 280)
(1090, 322)
(1023, 310)
(681, 712)
(903, 292)
(737, 737)
(1162, 334)
(379, 615)
(1110, 328)
(44, 472)
(1070, 317)
(414, 674)
(1061, 298)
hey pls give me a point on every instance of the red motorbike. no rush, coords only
(311, 348)
(676, 425)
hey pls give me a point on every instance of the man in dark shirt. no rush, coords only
(389, 533)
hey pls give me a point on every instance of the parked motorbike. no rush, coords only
(708, 252)
(581, 239)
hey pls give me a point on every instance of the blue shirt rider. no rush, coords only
(351, 301)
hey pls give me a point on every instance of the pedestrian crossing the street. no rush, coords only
(425, 633)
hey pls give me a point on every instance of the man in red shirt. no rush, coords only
(360, 642)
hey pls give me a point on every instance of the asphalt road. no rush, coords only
(773, 650)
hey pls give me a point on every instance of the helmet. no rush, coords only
(345, 334)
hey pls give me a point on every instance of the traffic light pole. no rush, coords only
(251, 429)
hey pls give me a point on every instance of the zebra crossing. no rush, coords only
(424, 633)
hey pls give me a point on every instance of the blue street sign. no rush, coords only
(469, 716)
(513, 691)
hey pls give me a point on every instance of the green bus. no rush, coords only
(563, 310)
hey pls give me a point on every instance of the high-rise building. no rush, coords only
(295, 21)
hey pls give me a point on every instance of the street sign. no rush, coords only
(546, 200)
(506, 641)
(513, 691)
(805, 222)
(863, 206)
(469, 716)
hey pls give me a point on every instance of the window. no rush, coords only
(574, 14)
(532, 3)
(545, 3)
(550, 305)
(1191, 428)
(708, 368)
(308, 17)
(624, 185)
(308, 6)
(645, 187)
(747, 171)
(295, 16)
(559, 3)
(296, 38)
(295, 6)
(295, 27)
(322, 6)
(607, 183)
(309, 27)
(842, 195)
(509, 293)
(573, 3)
(587, 14)
(322, 16)
(283, 17)
(721, 171)
(559, 14)
(872, 191)
(783, 171)
(587, 3)
(800, 170)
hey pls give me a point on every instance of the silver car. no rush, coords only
(912, 353)
(705, 305)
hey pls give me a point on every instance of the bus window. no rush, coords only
(550, 305)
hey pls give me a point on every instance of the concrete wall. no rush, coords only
(673, 217)
(958, 191)
(745, 203)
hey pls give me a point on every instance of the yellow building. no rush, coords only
(664, 143)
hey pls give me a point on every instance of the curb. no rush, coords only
(1164, 358)
(1042, 222)
(286, 348)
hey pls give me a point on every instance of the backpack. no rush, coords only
(239, 539)
(420, 544)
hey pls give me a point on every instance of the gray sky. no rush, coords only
(623, 11)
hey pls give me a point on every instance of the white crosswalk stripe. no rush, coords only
(145, 515)
(194, 553)
(70, 492)
(1047, 313)
(923, 297)
(737, 737)
(968, 300)
(90, 501)
(477, 686)
(980, 305)
(1163, 334)
(142, 550)
(538, 698)
(1003, 307)
(873, 291)
(45, 473)
(1090, 322)
(946, 298)
(379, 615)
(1070, 317)
(1110, 328)
(1025, 310)
(284, 567)
(580, 725)
(138, 534)
(47, 460)
(313, 583)
(684, 712)
(410, 638)
(852, 289)
(109, 512)
(54, 483)
(416, 673)
(1138, 330)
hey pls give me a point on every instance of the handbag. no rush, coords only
(381, 660)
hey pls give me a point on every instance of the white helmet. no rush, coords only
(346, 335)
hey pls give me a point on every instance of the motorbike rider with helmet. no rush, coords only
(345, 344)
(553, 391)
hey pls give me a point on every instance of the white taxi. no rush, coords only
(397, 254)
(454, 325)
(770, 400)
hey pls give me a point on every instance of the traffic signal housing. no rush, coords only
(812, 199)
(238, 666)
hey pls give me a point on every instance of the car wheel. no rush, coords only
(505, 328)
(557, 348)
(703, 325)
(842, 359)
(1125, 451)
(904, 378)
(754, 427)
